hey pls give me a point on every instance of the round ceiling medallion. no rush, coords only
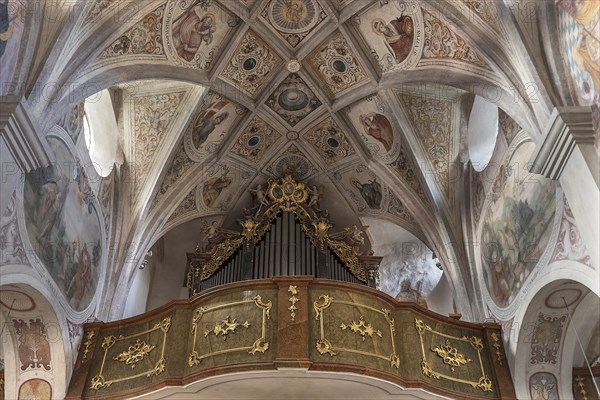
(293, 16)
(293, 65)
(291, 135)
(562, 298)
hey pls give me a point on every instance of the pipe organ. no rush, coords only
(286, 234)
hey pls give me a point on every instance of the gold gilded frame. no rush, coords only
(260, 345)
(483, 383)
(324, 346)
(99, 381)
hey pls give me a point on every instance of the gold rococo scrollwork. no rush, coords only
(228, 326)
(133, 355)
(451, 356)
(324, 346)
(285, 195)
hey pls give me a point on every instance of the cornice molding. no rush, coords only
(568, 127)
(20, 131)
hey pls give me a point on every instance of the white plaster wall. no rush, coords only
(169, 268)
(137, 299)
(441, 298)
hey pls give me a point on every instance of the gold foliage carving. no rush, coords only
(451, 356)
(86, 345)
(293, 289)
(229, 326)
(134, 354)
(283, 195)
(364, 329)
(497, 346)
(226, 327)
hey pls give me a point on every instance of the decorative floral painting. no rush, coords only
(543, 386)
(35, 389)
(517, 225)
(63, 225)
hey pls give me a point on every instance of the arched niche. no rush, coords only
(559, 316)
(39, 345)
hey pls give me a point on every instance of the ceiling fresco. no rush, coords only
(317, 89)
(293, 100)
(293, 20)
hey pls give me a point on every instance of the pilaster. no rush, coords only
(568, 154)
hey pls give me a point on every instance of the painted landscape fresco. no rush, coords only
(517, 226)
(63, 225)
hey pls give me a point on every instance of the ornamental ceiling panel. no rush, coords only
(394, 34)
(376, 126)
(293, 161)
(251, 65)
(293, 100)
(195, 31)
(143, 38)
(293, 20)
(330, 142)
(178, 166)
(151, 118)
(398, 211)
(443, 43)
(409, 171)
(211, 125)
(255, 141)
(433, 127)
(337, 66)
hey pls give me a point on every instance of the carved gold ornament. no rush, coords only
(497, 346)
(581, 387)
(134, 354)
(294, 291)
(284, 195)
(229, 326)
(324, 346)
(451, 356)
(226, 327)
(362, 328)
(86, 345)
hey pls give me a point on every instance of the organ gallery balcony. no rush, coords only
(290, 328)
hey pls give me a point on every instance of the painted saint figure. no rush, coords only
(213, 188)
(205, 126)
(191, 30)
(398, 35)
(371, 192)
(379, 127)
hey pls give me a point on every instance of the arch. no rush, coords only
(35, 318)
(547, 330)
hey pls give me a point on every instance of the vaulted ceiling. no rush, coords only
(367, 99)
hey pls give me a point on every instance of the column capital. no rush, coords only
(20, 131)
(568, 127)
